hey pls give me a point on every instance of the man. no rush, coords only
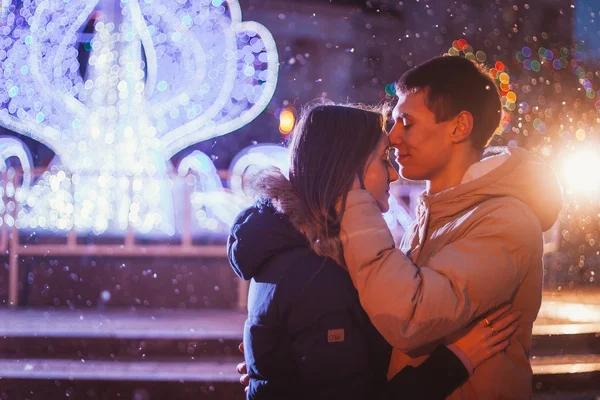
(477, 239)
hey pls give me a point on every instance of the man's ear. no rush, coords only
(463, 127)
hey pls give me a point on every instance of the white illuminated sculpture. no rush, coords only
(161, 77)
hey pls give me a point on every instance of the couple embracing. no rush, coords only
(336, 311)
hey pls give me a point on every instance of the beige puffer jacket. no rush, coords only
(472, 248)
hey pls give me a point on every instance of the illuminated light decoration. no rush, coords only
(201, 164)
(390, 90)
(397, 215)
(212, 206)
(12, 147)
(203, 73)
(580, 172)
(4, 4)
(259, 156)
(287, 120)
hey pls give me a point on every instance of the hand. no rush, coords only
(243, 370)
(483, 340)
(356, 183)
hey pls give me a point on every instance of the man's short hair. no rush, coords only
(453, 84)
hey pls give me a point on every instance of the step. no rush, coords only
(198, 349)
(120, 354)
(565, 364)
(144, 335)
(123, 281)
(566, 373)
(164, 371)
(574, 340)
(45, 389)
(124, 323)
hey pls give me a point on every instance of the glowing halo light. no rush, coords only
(580, 172)
(287, 120)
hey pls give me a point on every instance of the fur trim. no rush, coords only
(270, 184)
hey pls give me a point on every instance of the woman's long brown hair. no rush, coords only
(330, 145)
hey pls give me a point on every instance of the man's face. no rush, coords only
(423, 146)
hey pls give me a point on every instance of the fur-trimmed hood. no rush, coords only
(277, 222)
(270, 184)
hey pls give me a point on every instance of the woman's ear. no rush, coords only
(463, 127)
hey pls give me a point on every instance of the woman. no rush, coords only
(306, 336)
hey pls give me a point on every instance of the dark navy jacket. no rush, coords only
(306, 336)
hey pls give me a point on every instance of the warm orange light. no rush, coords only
(580, 172)
(287, 120)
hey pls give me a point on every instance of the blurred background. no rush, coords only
(127, 128)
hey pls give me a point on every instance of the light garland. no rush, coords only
(205, 74)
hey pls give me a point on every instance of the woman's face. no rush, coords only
(379, 173)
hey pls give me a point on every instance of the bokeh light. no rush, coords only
(287, 120)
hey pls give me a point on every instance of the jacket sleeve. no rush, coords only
(440, 375)
(413, 306)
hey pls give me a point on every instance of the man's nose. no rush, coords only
(395, 135)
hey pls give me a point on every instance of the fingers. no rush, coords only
(503, 335)
(506, 320)
(245, 380)
(356, 183)
(496, 314)
(242, 368)
(498, 348)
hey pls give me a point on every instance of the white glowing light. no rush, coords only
(11, 147)
(260, 156)
(206, 73)
(580, 172)
(397, 216)
(209, 200)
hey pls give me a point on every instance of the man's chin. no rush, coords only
(408, 175)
